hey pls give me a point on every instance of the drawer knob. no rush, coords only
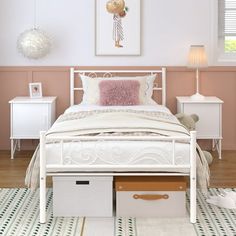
(150, 197)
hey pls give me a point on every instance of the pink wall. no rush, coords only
(215, 81)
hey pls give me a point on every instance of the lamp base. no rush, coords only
(197, 96)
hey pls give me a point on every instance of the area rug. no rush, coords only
(19, 215)
(213, 220)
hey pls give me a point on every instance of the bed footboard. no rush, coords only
(191, 168)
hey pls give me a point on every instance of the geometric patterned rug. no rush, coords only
(213, 220)
(19, 215)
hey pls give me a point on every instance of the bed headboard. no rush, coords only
(110, 73)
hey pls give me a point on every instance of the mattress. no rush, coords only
(117, 152)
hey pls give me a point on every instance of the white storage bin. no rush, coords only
(150, 196)
(82, 196)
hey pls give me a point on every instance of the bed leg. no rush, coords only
(193, 191)
(42, 179)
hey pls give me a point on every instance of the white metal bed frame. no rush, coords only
(121, 170)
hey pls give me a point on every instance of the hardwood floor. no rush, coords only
(223, 172)
(12, 172)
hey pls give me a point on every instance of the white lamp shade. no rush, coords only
(197, 56)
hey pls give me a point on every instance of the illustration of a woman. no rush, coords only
(118, 9)
(117, 30)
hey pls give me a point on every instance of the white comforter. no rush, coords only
(115, 152)
(113, 120)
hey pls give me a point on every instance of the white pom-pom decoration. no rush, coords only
(34, 43)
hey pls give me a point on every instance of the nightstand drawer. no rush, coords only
(29, 119)
(209, 118)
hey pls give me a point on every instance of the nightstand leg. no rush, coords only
(213, 145)
(218, 144)
(12, 148)
(18, 145)
(220, 148)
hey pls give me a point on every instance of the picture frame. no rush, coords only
(35, 90)
(118, 29)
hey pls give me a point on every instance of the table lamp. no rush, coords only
(197, 59)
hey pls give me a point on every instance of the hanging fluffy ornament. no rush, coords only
(34, 43)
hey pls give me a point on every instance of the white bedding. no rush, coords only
(118, 155)
(118, 152)
(83, 107)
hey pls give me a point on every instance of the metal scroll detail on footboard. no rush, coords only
(151, 170)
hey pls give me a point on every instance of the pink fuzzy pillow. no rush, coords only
(119, 92)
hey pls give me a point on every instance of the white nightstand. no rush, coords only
(209, 111)
(29, 116)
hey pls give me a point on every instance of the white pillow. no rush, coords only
(91, 94)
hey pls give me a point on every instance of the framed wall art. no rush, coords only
(117, 27)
